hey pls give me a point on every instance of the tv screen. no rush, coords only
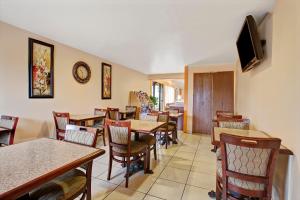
(249, 45)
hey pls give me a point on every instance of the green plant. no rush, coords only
(154, 100)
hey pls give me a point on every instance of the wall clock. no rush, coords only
(81, 72)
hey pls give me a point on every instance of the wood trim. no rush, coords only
(27, 187)
(186, 87)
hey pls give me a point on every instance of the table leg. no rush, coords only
(89, 180)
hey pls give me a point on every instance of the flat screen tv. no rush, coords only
(249, 45)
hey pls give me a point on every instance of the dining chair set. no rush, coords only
(245, 165)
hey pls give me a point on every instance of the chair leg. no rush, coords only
(103, 135)
(146, 154)
(109, 167)
(127, 172)
(218, 192)
(154, 152)
(167, 139)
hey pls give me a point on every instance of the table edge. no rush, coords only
(29, 186)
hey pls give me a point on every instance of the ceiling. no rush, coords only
(151, 36)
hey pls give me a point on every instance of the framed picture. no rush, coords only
(41, 75)
(106, 81)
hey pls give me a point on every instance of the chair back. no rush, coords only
(248, 164)
(119, 133)
(173, 111)
(81, 135)
(113, 113)
(132, 109)
(100, 111)
(163, 117)
(61, 120)
(235, 124)
(8, 122)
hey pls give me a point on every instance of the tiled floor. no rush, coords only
(184, 171)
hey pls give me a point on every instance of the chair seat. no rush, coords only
(240, 183)
(63, 187)
(147, 139)
(136, 147)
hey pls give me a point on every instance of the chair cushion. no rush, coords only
(147, 139)
(170, 128)
(240, 183)
(136, 147)
(63, 187)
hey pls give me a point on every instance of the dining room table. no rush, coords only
(81, 119)
(144, 127)
(178, 119)
(25, 166)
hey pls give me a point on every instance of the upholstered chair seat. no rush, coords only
(136, 147)
(63, 187)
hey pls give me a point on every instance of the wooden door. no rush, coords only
(223, 91)
(202, 103)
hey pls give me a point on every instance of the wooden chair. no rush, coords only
(10, 123)
(148, 139)
(174, 123)
(246, 167)
(99, 124)
(120, 145)
(167, 129)
(61, 120)
(113, 113)
(133, 115)
(75, 182)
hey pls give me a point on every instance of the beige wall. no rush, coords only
(270, 94)
(200, 69)
(36, 114)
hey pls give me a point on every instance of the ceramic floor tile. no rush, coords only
(122, 193)
(117, 175)
(184, 155)
(195, 193)
(206, 158)
(140, 182)
(149, 197)
(205, 181)
(100, 189)
(98, 169)
(180, 163)
(174, 174)
(204, 167)
(167, 189)
(187, 148)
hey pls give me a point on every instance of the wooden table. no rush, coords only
(28, 165)
(83, 118)
(146, 127)
(245, 133)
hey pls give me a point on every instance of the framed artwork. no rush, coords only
(106, 81)
(41, 74)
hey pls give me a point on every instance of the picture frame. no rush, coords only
(106, 78)
(40, 69)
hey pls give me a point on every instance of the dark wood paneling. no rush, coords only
(223, 91)
(202, 103)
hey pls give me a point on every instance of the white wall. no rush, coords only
(36, 114)
(200, 69)
(270, 94)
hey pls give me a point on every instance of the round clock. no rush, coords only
(81, 72)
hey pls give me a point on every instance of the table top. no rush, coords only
(246, 133)
(126, 111)
(85, 117)
(29, 164)
(145, 126)
(176, 115)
